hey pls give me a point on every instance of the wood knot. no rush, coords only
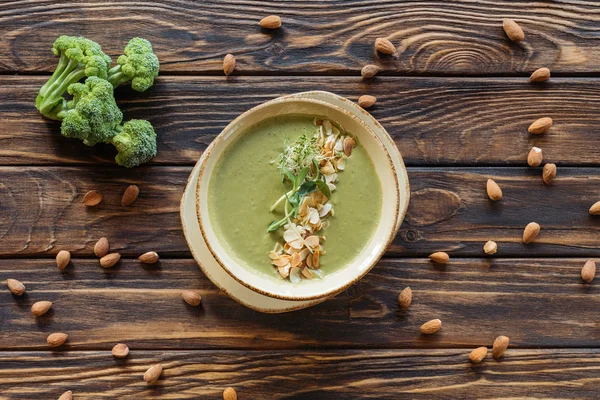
(429, 206)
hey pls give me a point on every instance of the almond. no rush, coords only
(149, 258)
(15, 287)
(369, 71)
(92, 198)
(513, 30)
(500, 346)
(493, 190)
(153, 373)
(229, 394)
(548, 173)
(595, 208)
(62, 259)
(535, 157)
(540, 75)
(228, 64)
(56, 339)
(366, 101)
(478, 354)
(431, 327)
(348, 146)
(588, 272)
(539, 126)
(192, 298)
(405, 298)
(120, 350)
(384, 46)
(531, 231)
(110, 260)
(101, 247)
(439, 257)
(68, 395)
(490, 247)
(40, 308)
(130, 195)
(270, 22)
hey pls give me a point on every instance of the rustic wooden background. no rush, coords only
(457, 101)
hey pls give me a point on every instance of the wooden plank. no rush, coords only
(536, 302)
(441, 37)
(383, 374)
(449, 210)
(434, 121)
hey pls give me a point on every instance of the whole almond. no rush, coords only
(513, 30)
(56, 339)
(548, 173)
(478, 354)
(192, 298)
(540, 75)
(120, 350)
(228, 64)
(130, 195)
(62, 259)
(153, 373)
(110, 260)
(101, 247)
(490, 247)
(366, 101)
(595, 208)
(384, 46)
(431, 327)
(405, 298)
(270, 22)
(493, 190)
(439, 257)
(535, 157)
(15, 287)
(500, 346)
(40, 308)
(229, 394)
(539, 126)
(531, 231)
(369, 71)
(149, 258)
(588, 272)
(68, 395)
(348, 145)
(92, 198)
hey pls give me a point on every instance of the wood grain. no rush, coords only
(449, 210)
(336, 37)
(434, 121)
(343, 374)
(536, 302)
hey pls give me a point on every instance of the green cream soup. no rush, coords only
(245, 183)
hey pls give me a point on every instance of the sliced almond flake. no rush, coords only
(273, 255)
(295, 275)
(328, 127)
(318, 226)
(304, 253)
(309, 201)
(330, 143)
(290, 236)
(295, 260)
(332, 187)
(335, 130)
(312, 241)
(325, 209)
(296, 244)
(307, 273)
(315, 259)
(340, 164)
(339, 144)
(284, 271)
(313, 215)
(327, 168)
(331, 178)
(281, 261)
(318, 273)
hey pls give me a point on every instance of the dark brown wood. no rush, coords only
(342, 374)
(435, 121)
(536, 302)
(441, 37)
(449, 210)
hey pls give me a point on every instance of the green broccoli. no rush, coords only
(136, 143)
(79, 57)
(139, 65)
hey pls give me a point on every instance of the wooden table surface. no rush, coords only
(457, 101)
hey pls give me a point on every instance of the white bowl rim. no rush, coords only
(388, 236)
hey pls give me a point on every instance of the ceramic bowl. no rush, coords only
(331, 283)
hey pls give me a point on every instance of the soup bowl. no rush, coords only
(335, 281)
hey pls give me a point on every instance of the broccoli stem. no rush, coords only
(63, 62)
(116, 77)
(52, 96)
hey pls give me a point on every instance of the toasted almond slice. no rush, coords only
(339, 145)
(273, 255)
(340, 164)
(307, 273)
(309, 261)
(287, 248)
(290, 235)
(295, 275)
(313, 215)
(295, 260)
(327, 168)
(315, 259)
(325, 210)
(284, 271)
(303, 210)
(281, 261)
(304, 253)
(331, 178)
(312, 241)
(328, 127)
(297, 244)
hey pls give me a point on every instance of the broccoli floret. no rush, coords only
(139, 65)
(93, 115)
(79, 57)
(136, 143)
